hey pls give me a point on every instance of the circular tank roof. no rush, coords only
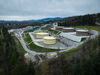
(82, 30)
(49, 37)
(68, 28)
(42, 33)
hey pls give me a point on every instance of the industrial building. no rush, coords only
(59, 28)
(82, 32)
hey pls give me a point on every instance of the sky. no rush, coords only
(38, 9)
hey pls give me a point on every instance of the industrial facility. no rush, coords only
(64, 39)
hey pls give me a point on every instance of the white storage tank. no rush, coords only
(41, 35)
(68, 30)
(82, 32)
(49, 40)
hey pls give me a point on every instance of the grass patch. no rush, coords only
(82, 39)
(50, 30)
(27, 39)
(88, 27)
(44, 28)
(53, 31)
(26, 34)
(18, 44)
(11, 33)
(36, 48)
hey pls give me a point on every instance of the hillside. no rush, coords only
(85, 61)
(12, 61)
(85, 20)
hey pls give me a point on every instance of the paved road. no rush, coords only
(31, 53)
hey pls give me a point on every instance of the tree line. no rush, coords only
(85, 20)
(11, 60)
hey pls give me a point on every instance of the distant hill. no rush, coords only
(51, 19)
(46, 19)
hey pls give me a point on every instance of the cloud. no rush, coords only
(36, 9)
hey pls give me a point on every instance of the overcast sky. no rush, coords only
(37, 9)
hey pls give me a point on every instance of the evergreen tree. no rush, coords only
(45, 67)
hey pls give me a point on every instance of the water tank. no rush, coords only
(68, 30)
(49, 40)
(82, 32)
(41, 35)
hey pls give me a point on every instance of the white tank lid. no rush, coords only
(68, 28)
(42, 33)
(82, 30)
(49, 37)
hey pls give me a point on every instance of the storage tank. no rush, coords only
(68, 30)
(82, 32)
(37, 31)
(59, 28)
(26, 55)
(41, 35)
(49, 40)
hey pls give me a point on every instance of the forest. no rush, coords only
(84, 20)
(11, 59)
(84, 62)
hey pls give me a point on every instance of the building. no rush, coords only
(59, 28)
(49, 25)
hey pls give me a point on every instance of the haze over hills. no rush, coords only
(44, 19)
